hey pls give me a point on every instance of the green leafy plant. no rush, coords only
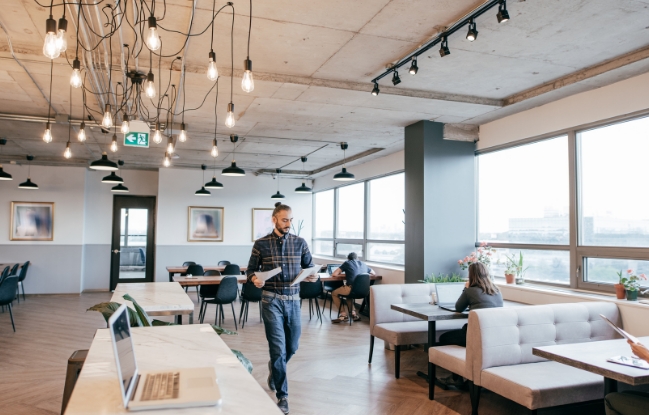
(631, 281)
(300, 226)
(442, 278)
(139, 318)
(516, 265)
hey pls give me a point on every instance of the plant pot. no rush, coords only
(620, 291)
(510, 278)
(520, 281)
(632, 295)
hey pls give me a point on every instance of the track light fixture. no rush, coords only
(82, 132)
(28, 184)
(444, 50)
(233, 170)
(395, 78)
(278, 195)
(75, 77)
(50, 47)
(344, 175)
(153, 40)
(472, 33)
(304, 188)
(503, 14)
(182, 137)
(376, 90)
(202, 191)
(3, 174)
(413, 67)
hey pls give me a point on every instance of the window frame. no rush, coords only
(578, 253)
(364, 241)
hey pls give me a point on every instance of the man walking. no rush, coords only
(280, 301)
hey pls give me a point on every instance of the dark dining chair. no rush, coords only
(311, 291)
(249, 294)
(223, 263)
(231, 269)
(14, 269)
(8, 294)
(196, 270)
(212, 273)
(225, 294)
(360, 290)
(21, 278)
(4, 274)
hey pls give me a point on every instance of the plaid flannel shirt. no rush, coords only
(289, 252)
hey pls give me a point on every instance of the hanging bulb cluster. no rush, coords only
(68, 152)
(82, 132)
(167, 160)
(75, 78)
(113, 144)
(125, 124)
(170, 145)
(247, 83)
(157, 134)
(51, 47)
(229, 118)
(47, 135)
(442, 38)
(107, 120)
(182, 137)
(212, 71)
(153, 40)
(149, 85)
(215, 149)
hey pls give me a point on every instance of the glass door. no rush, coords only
(133, 240)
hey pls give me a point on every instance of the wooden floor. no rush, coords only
(328, 375)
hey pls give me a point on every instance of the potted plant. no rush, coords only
(510, 273)
(483, 255)
(442, 279)
(620, 292)
(517, 266)
(631, 284)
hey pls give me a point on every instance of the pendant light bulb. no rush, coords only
(215, 149)
(503, 14)
(167, 160)
(61, 41)
(376, 90)
(149, 86)
(472, 33)
(247, 83)
(47, 135)
(75, 78)
(212, 71)
(229, 119)
(157, 135)
(107, 121)
(182, 137)
(67, 153)
(82, 132)
(113, 144)
(170, 145)
(413, 67)
(50, 47)
(125, 125)
(153, 40)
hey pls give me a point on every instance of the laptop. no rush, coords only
(173, 388)
(332, 267)
(447, 294)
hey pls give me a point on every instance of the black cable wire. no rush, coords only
(49, 104)
(249, 30)
(212, 24)
(232, 54)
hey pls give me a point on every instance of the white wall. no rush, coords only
(240, 194)
(620, 98)
(376, 167)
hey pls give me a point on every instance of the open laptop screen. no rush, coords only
(447, 294)
(123, 346)
(332, 267)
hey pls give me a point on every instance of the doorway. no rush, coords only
(133, 239)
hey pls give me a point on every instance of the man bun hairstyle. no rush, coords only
(279, 206)
(352, 256)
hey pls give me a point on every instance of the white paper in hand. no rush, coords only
(306, 273)
(264, 276)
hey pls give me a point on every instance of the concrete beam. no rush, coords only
(581, 75)
(461, 132)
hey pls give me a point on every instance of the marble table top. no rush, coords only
(156, 298)
(592, 357)
(158, 348)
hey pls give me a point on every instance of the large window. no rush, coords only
(369, 220)
(574, 205)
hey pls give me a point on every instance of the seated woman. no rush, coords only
(629, 402)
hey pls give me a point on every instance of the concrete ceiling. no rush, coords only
(313, 61)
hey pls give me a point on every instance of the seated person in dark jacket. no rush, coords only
(352, 267)
(629, 402)
(480, 292)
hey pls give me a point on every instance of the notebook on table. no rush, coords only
(173, 388)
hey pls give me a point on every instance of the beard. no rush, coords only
(282, 230)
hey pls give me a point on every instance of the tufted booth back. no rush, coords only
(384, 295)
(506, 336)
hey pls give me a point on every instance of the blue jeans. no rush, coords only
(283, 328)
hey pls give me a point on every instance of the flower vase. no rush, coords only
(632, 295)
(620, 291)
(509, 278)
(520, 281)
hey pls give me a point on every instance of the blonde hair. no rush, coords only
(479, 277)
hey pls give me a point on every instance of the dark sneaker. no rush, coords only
(271, 384)
(282, 404)
(339, 320)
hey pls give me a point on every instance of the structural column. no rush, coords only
(440, 200)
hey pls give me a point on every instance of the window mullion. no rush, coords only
(573, 209)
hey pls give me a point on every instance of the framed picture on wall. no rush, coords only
(262, 222)
(32, 221)
(205, 224)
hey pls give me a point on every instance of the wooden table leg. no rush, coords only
(191, 318)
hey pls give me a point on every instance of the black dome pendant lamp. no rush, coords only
(344, 175)
(278, 195)
(120, 188)
(28, 184)
(233, 170)
(213, 184)
(203, 191)
(303, 188)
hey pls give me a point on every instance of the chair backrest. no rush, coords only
(232, 269)
(195, 269)
(208, 291)
(14, 269)
(8, 289)
(4, 274)
(227, 292)
(188, 263)
(360, 286)
(223, 263)
(23, 271)
(251, 293)
(211, 273)
(310, 289)
(506, 336)
(382, 296)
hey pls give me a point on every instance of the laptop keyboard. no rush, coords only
(161, 386)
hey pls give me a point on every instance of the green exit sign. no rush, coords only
(134, 139)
